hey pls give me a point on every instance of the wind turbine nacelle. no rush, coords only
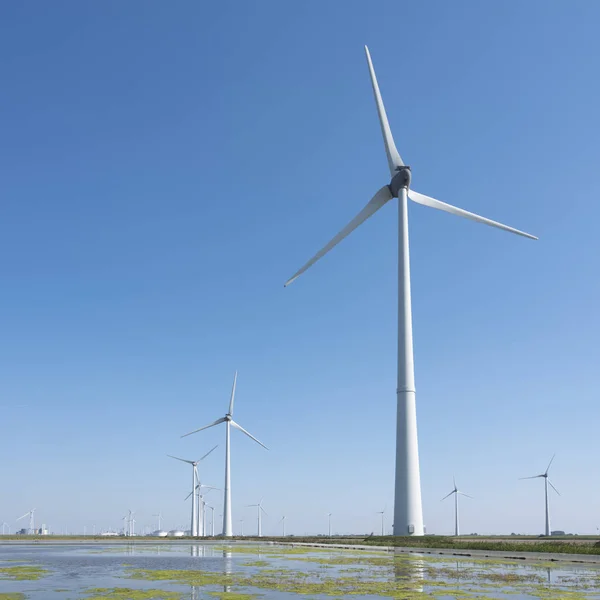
(400, 180)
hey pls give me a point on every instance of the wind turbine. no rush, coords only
(382, 513)
(282, 526)
(229, 422)
(5, 524)
(329, 517)
(259, 509)
(159, 515)
(200, 502)
(546, 483)
(195, 480)
(212, 519)
(242, 527)
(408, 511)
(456, 492)
(31, 522)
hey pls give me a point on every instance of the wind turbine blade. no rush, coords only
(450, 494)
(209, 452)
(552, 485)
(234, 424)
(188, 495)
(379, 199)
(217, 422)
(261, 508)
(232, 394)
(454, 482)
(467, 495)
(551, 460)
(189, 462)
(394, 160)
(532, 477)
(27, 513)
(433, 203)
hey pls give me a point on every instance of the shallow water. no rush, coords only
(187, 571)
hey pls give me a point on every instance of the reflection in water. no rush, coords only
(194, 592)
(409, 572)
(227, 564)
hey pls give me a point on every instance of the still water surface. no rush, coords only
(188, 571)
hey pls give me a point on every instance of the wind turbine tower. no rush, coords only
(195, 483)
(259, 510)
(31, 530)
(547, 482)
(456, 492)
(229, 422)
(408, 512)
(382, 513)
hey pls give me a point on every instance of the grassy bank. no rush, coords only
(517, 544)
(563, 546)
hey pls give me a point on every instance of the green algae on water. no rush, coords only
(233, 596)
(23, 573)
(12, 596)
(131, 594)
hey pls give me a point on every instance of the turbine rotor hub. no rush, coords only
(401, 179)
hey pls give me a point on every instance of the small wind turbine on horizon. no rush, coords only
(456, 492)
(329, 522)
(159, 515)
(31, 520)
(282, 521)
(547, 482)
(259, 510)
(382, 513)
(5, 524)
(229, 422)
(408, 510)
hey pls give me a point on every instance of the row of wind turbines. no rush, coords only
(408, 513)
(456, 492)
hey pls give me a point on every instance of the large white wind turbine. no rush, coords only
(259, 510)
(456, 492)
(194, 463)
(31, 521)
(408, 513)
(546, 483)
(229, 422)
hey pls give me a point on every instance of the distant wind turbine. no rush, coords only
(456, 492)
(212, 519)
(329, 521)
(282, 521)
(408, 511)
(382, 513)
(259, 510)
(31, 521)
(200, 503)
(5, 524)
(547, 482)
(229, 422)
(195, 480)
(159, 515)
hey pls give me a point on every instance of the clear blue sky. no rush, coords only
(165, 167)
